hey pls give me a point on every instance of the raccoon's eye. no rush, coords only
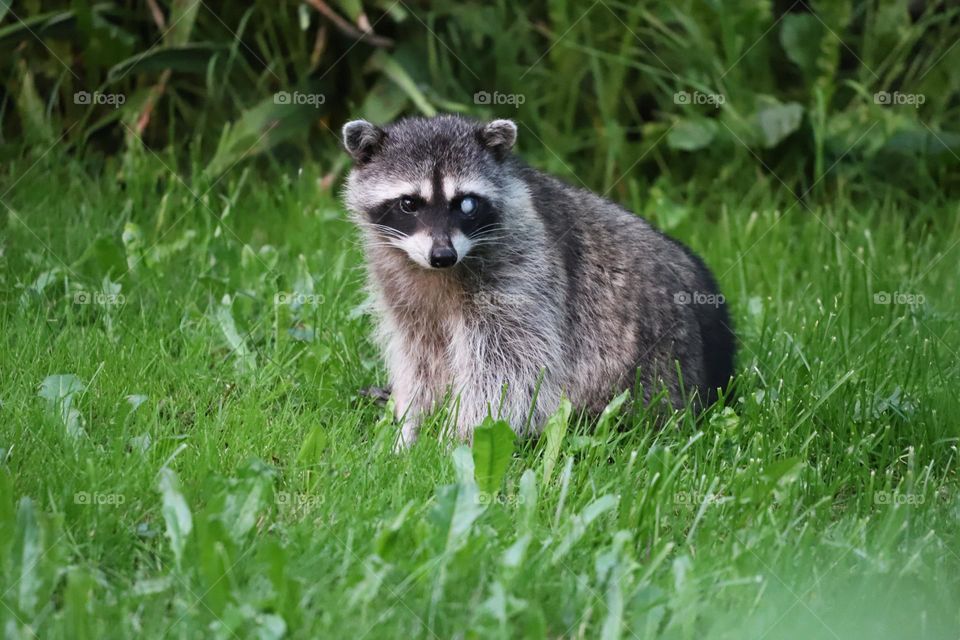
(468, 205)
(408, 205)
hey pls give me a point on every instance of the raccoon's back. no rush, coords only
(631, 292)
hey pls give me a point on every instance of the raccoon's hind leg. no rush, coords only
(380, 395)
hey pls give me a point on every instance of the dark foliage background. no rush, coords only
(624, 96)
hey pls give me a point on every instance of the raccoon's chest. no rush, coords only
(428, 323)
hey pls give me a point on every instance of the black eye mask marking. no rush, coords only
(482, 218)
(469, 213)
(391, 214)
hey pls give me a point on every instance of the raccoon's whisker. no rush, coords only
(489, 240)
(493, 233)
(495, 242)
(387, 231)
(489, 235)
(488, 230)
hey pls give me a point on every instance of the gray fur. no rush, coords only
(569, 294)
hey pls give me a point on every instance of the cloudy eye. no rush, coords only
(408, 205)
(468, 205)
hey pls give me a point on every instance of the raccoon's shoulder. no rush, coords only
(587, 228)
(565, 208)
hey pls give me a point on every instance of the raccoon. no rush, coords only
(505, 289)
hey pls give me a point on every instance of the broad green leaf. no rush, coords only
(313, 446)
(384, 101)
(246, 359)
(79, 602)
(386, 540)
(388, 65)
(245, 499)
(135, 400)
(102, 257)
(28, 554)
(926, 142)
(692, 134)
(59, 391)
(59, 388)
(30, 106)
(528, 499)
(800, 35)
(493, 445)
(463, 466)
(34, 563)
(176, 513)
(617, 563)
(666, 211)
(513, 557)
(183, 14)
(259, 128)
(611, 411)
(777, 121)
(458, 505)
(133, 245)
(553, 435)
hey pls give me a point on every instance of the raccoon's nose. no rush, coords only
(443, 256)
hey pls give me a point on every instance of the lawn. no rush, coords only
(184, 451)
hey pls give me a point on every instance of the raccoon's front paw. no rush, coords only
(406, 437)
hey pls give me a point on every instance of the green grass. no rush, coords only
(821, 502)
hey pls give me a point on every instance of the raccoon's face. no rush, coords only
(433, 188)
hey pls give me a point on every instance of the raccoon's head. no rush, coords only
(435, 188)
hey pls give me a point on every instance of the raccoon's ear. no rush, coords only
(362, 139)
(498, 136)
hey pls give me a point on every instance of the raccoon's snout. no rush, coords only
(443, 256)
